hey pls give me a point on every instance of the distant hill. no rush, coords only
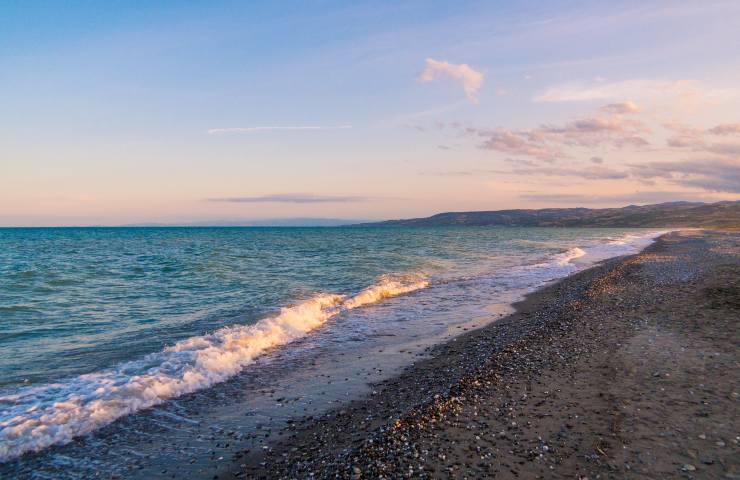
(673, 214)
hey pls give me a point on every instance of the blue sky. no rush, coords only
(114, 112)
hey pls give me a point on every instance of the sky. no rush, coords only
(182, 112)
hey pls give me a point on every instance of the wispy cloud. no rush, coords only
(719, 175)
(632, 198)
(622, 108)
(712, 167)
(548, 142)
(531, 169)
(454, 173)
(714, 175)
(711, 156)
(693, 139)
(290, 198)
(726, 129)
(637, 89)
(518, 143)
(214, 131)
(593, 131)
(470, 79)
(589, 172)
(411, 119)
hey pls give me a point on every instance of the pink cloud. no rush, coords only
(547, 141)
(518, 143)
(470, 79)
(622, 108)
(692, 138)
(726, 129)
(714, 174)
(642, 89)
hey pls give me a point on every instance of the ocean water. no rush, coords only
(111, 335)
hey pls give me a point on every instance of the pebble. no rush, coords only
(396, 448)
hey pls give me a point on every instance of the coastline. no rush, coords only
(197, 434)
(604, 372)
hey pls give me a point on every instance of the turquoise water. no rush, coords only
(100, 323)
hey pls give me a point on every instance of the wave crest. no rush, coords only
(37, 417)
(567, 257)
(386, 288)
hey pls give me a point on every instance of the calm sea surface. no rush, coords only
(104, 325)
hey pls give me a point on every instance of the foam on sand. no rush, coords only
(37, 417)
(570, 255)
(566, 262)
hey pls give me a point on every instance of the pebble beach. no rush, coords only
(625, 370)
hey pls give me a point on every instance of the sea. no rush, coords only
(126, 349)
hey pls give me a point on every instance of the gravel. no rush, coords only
(626, 370)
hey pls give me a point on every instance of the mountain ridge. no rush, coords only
(725, 214)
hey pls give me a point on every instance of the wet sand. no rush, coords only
(626, 370)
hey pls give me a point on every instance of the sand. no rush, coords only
(626, 370)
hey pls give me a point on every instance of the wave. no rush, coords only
(561, 264)
(555, 266)
(611, 247)
(567, 257)
(626, 244)
(38, 417)
(557, 262)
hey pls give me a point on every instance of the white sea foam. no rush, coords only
(37, 417)
(625, 245)
(569, 261)
(555, 266)
(559, 264)
(568, 256)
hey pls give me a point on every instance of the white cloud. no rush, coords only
(268, 129)
(470, 79)
(637, 89)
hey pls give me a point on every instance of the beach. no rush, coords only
(164, 352)
(626, 370)
(340, 240)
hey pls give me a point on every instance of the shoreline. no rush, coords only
(210, 426)
(410, 425)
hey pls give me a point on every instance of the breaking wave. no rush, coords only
(561, 264)
(37, 417)
(567, 257)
